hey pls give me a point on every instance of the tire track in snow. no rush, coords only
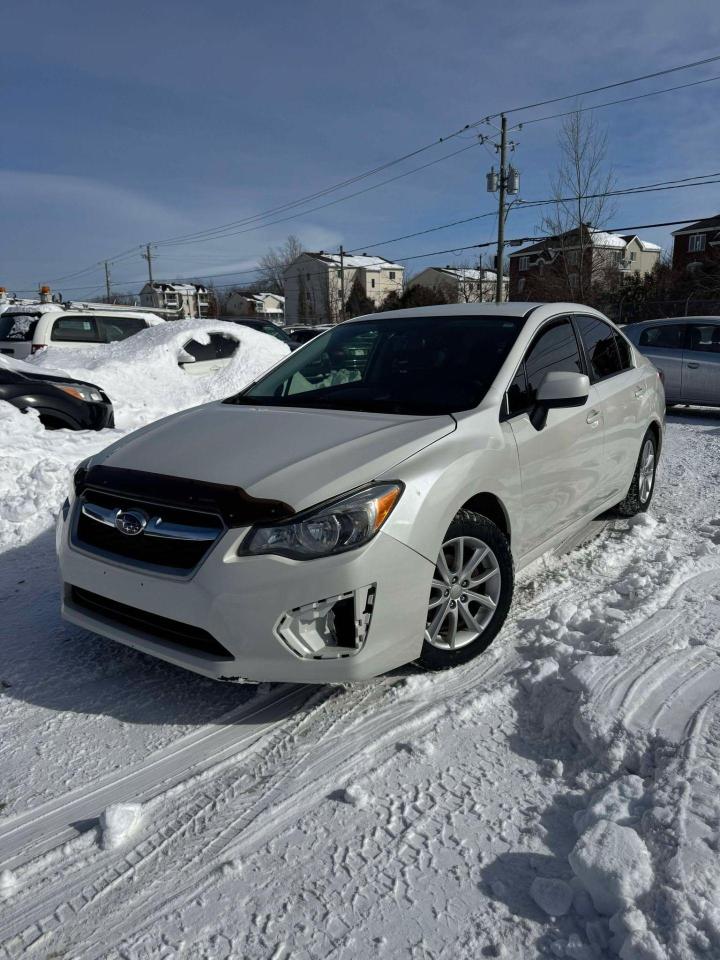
(267, 813)
(39, 829)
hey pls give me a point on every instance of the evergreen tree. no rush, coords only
(358, 303)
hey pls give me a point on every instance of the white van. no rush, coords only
(27, 328)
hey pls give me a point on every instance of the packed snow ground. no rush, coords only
(559, 796)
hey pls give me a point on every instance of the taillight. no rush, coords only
(37, 346)
(661, 374)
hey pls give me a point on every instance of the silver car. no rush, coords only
(368, 501)
(687, 350)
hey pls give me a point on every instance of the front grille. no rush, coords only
(153, 552)
(162, 628)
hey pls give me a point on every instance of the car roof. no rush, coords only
(662, 321)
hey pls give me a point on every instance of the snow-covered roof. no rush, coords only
(34, 307)
(649, 247)
(466, 273)
(177, 287)
(602, 239)
(364, 262)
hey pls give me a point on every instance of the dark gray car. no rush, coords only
(687, 350)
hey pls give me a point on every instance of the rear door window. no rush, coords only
(600, 348)
(18, 327)
(703, 337)
(119, 328)
(669, 336)
(75, 330)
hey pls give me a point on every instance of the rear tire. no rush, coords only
(642, 487)
(471, 592)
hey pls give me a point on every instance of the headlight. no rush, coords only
(80, 392)
(80, 474)
(343, 524)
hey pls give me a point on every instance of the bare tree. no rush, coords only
(276, 260)
(581, 208)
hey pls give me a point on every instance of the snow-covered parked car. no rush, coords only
(367, 501)
(25, 329)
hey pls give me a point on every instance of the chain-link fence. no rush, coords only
(628, 312)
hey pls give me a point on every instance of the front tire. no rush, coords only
(640, 494)
(471, 592)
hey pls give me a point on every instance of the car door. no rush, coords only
(663, 345)
(701, 363)
(561, 464)
(620, 391)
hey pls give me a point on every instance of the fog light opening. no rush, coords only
(331, 628)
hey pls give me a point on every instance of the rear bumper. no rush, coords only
(240, 602)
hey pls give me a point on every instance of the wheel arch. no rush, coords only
(492, 507)
(656, 431)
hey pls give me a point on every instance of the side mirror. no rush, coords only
(559, 389)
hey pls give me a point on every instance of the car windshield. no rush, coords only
(18, 326)
(418, 366)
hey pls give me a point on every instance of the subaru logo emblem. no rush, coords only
(130, 522)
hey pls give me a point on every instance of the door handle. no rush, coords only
(693, 366)
(593, 418)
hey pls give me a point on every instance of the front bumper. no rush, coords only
(241, 601)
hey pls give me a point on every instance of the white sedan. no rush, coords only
(368, 501)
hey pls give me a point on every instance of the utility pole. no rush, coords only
(501, 212)
(107, 280)
(507, 180)
(148, 256)
(342, 282)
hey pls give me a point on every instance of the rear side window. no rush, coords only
(600, 348)
(220, 347)
(75, 329)
(669, 336)
(555, 348)
(119, 328)
(703, 337)
(17, 326)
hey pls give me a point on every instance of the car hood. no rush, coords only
(295, 455)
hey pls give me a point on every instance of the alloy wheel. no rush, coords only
(647, 470)
(465, 593)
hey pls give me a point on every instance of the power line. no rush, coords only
(612, 103)
(373, 171)
(222, 236)
(453, 134)
(608, 86)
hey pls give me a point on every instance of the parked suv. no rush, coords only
(27, 329)
(367, 501)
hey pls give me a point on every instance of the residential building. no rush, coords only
(180, 299)
(241, 303)
(314, 282)
(697, 243)
(563, 257)
(461, 284)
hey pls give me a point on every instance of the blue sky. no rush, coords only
(130, 123)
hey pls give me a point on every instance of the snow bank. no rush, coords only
(142, 377)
